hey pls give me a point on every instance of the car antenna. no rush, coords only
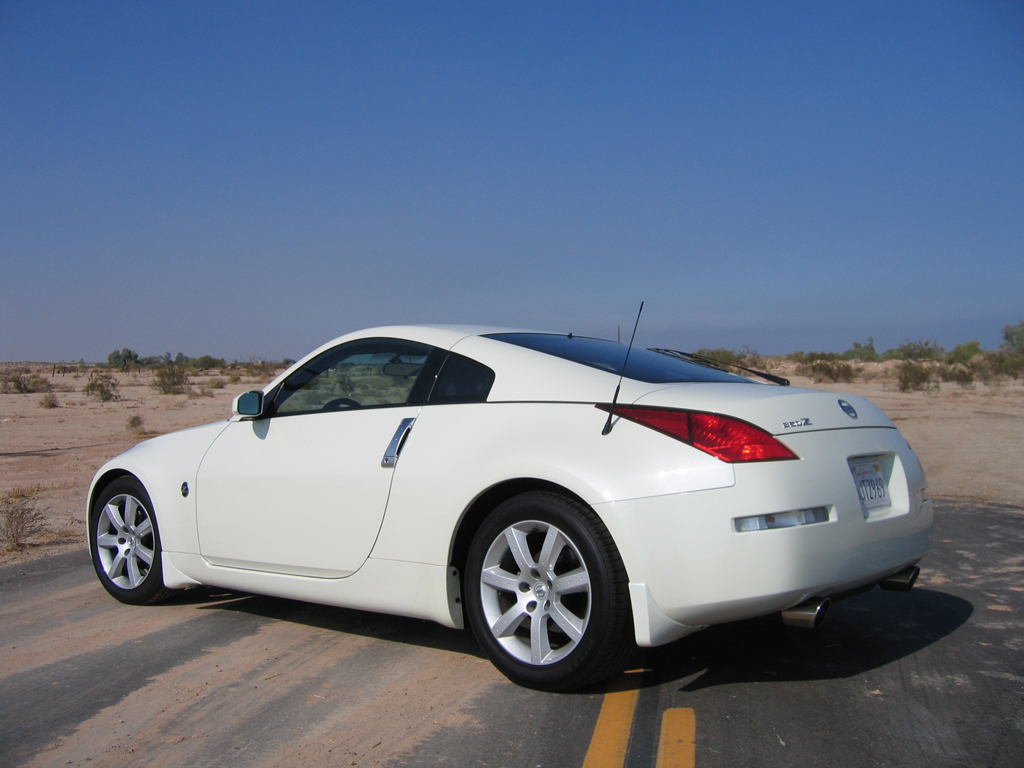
(615, 398)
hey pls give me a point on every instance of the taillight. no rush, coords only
(724, 437)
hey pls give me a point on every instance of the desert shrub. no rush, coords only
(171, 380)
(997, 364)
(963, 353)
(202, 392)
(259, 369)
(1013, 338)
(37, 383)
(754, 359)
(216, 383)
(809, 357)
(48, 400)
(722, 355)
(22, 382)
(234, 378)
(866, 353)
(19, 518)
(135, 424)
(1012, 366)
(956, 374)
(747, 357)
(982, 367)
(103, 386)
(916, 350)
(828, 370)
(912, 376)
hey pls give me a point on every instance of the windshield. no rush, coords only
(644, 365)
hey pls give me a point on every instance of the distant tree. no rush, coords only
(1013, 338)
(206, 362)
(124, 359)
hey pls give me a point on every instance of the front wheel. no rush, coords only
(125, 544)
(546, 593)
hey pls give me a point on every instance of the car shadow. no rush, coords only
(380, 626)
(861, 633)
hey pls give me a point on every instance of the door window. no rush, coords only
(360, 374)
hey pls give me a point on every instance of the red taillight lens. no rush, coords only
(725, 438)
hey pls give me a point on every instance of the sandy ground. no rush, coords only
(56, 451)
(969, 439)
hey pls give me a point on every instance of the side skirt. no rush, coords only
(416, 590)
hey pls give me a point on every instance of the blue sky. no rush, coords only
(252, 179)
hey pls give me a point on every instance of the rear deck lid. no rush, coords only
(778, 410)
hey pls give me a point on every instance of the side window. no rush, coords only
(462, 380)
(359, 374)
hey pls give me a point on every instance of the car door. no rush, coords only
(303, 489)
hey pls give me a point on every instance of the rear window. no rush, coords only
(644, 365)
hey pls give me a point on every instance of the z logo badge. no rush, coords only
(797, 423)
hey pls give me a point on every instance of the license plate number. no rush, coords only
(871, 485)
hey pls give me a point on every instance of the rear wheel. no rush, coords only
(125, 544)
(546, 593)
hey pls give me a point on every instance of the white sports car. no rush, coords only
(499, 478)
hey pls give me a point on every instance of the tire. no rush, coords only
(546, 593)
(124, 542)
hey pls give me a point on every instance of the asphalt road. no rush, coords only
(930, 678)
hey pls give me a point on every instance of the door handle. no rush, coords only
(395, 446)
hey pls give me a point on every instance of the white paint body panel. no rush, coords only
(163, 464)
(302, 494)
(299, 507)
(457, 451)
(701, 571)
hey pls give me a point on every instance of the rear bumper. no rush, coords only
(690, 567)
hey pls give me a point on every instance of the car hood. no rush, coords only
(779, 410)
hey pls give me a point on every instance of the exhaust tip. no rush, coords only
(810, 614)
(901, 581)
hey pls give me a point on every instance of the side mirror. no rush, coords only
(248, 404)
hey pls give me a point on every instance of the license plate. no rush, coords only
(871, 485)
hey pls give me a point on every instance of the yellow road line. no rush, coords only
(611, 734)
(678, 739)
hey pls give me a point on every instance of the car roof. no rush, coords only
(439, 335)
